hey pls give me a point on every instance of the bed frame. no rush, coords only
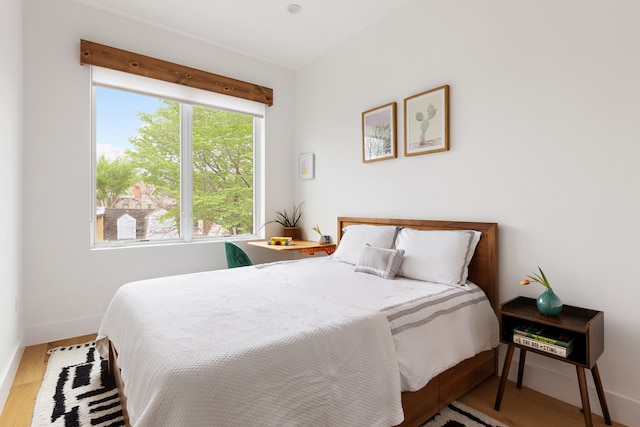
(421, 405)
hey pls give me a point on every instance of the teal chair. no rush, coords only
(236, 257)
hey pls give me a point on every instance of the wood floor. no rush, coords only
(520, 408)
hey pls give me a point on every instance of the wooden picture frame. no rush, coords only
(306, 166)
(426, 122)
(379, 133)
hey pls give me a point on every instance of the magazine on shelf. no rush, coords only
(545, 334)
(542, 346)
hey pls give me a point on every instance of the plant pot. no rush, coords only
(294, 232)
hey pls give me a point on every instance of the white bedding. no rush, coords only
(306, 342)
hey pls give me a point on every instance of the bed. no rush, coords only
(315, 341)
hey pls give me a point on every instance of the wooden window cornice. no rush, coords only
(146, 66)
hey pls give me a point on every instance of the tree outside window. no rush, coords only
(146, 173)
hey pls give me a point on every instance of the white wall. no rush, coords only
(544, 141)
(11, 179)
(67, 286)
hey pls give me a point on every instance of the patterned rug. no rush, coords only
(77, 391)
(459, 415)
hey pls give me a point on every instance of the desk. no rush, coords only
(303, 246)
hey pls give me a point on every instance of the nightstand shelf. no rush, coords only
(303, 246)
(587, 326)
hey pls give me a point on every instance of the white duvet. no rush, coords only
(304, 343)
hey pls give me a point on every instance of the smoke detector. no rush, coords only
(294, 8)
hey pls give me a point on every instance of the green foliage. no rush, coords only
(222, 164)
(156, 154)
(540, 278)
(113, 179)
(287, 219)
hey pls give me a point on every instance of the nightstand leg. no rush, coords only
(584, 394)
(505, 374)
(523, 355)
(603, 401)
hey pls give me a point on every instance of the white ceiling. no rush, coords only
(260, 28)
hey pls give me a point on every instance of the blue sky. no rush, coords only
(117, 119)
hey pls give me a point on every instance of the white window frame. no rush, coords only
(188, 97)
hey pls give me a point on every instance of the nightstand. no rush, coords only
(587, 327)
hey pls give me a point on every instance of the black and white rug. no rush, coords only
(459, 415)
(77, 391)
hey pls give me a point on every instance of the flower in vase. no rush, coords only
(538, 278)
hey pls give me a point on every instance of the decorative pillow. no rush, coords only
(439, 256)
(379, 261)
(356, 237)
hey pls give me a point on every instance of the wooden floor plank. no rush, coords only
(526, 407)
(19, 406)
(32, 365)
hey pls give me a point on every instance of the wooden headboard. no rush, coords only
(483, 270)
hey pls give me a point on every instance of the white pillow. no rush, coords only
(379, 261)
(439, 256)
(356, 237)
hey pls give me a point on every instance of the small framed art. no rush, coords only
(426, 122)
(379, 133)
(306, 165)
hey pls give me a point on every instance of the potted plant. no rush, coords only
(323, 239)
(289, 221)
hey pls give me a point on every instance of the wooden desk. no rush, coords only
(303, 246)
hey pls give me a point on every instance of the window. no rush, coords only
(172, 163)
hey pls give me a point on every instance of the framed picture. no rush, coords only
(306, 166)
(379, 133)
(426, 122)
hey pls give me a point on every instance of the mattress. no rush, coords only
(307, 342)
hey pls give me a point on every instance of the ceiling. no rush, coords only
(263, 29)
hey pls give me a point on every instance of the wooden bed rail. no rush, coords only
(115, 371)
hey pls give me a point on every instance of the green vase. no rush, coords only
(548, 303)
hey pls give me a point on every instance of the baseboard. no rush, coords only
(57, 331)
(9, 373)
(564, 386)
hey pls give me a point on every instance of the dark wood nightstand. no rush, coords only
(587, 326)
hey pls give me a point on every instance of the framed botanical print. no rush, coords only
(379, 133)
(426, 122)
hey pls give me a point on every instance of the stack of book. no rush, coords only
(544, 338)
(280, 241)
